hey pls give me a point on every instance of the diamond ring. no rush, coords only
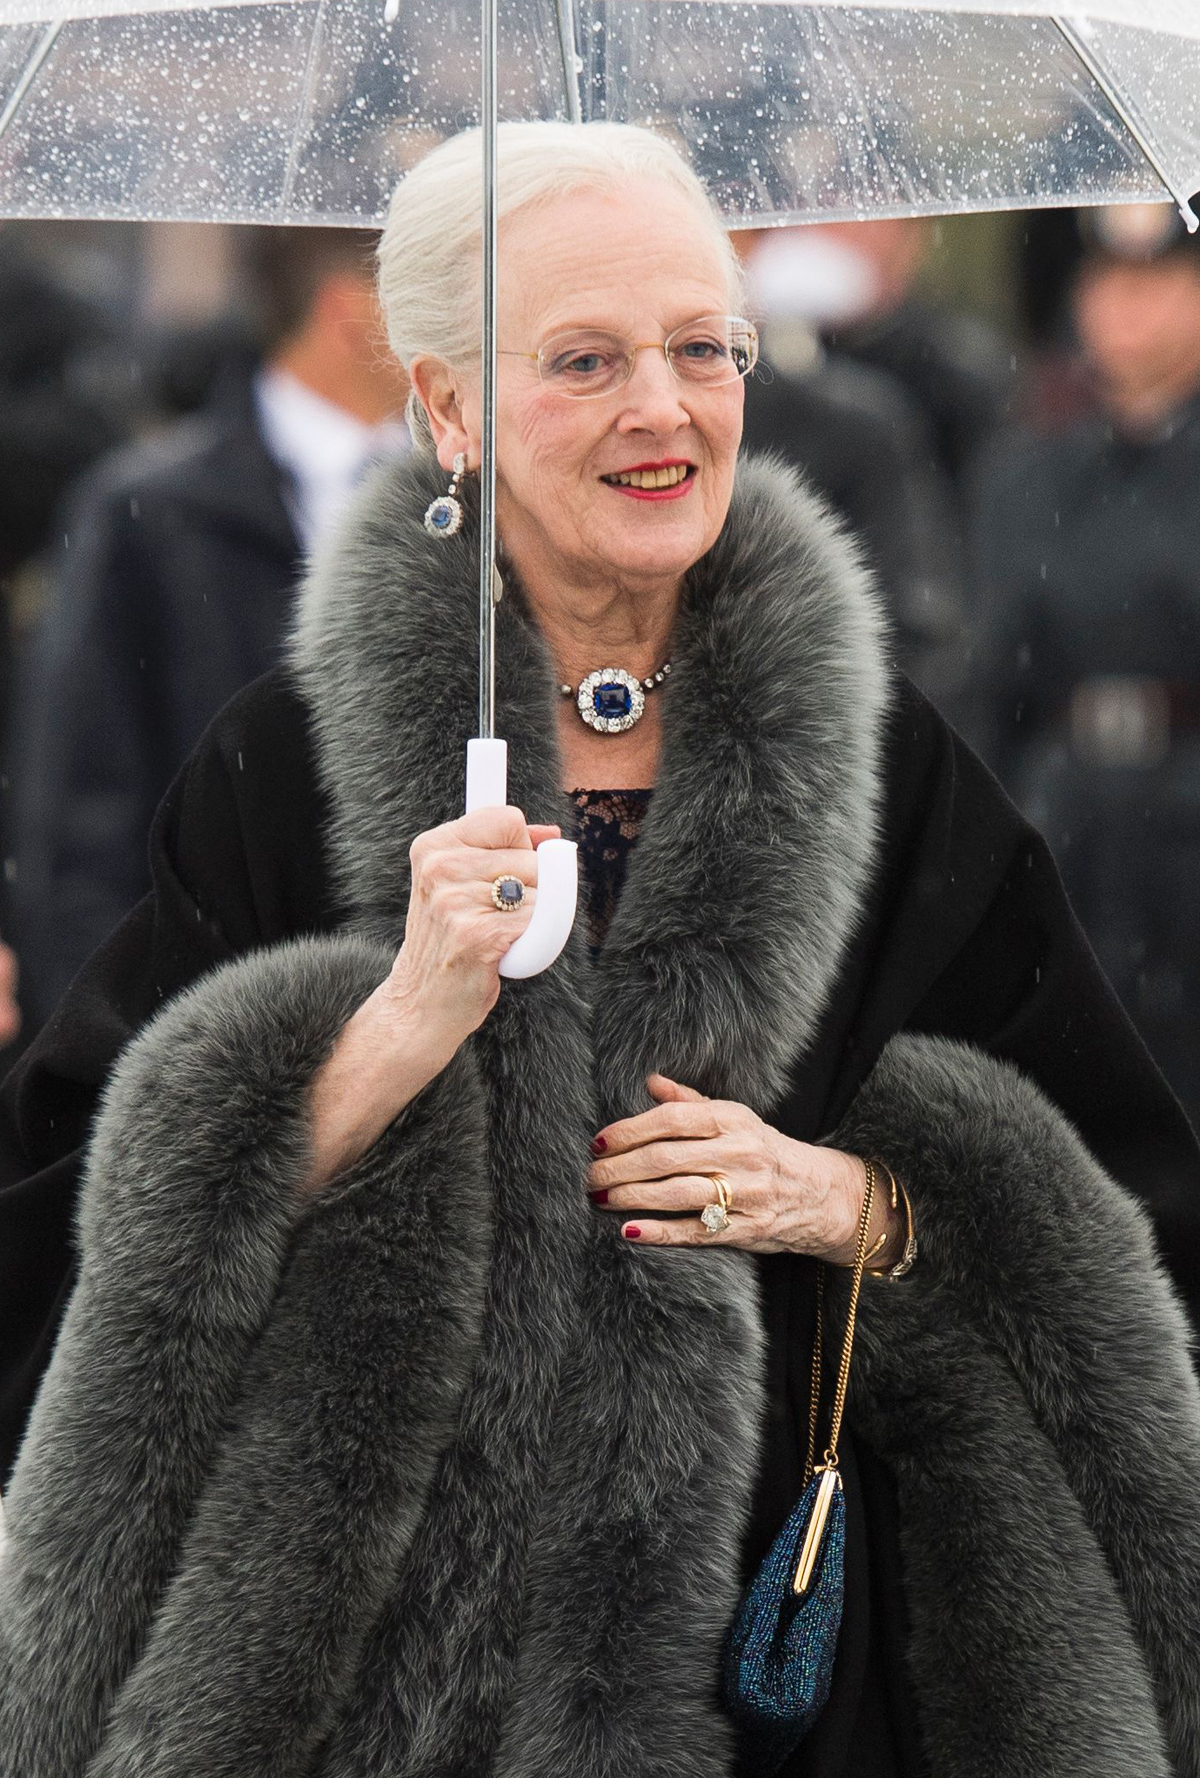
(715, 1217)
(507, 894)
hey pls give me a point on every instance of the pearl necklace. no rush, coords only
(610, 700)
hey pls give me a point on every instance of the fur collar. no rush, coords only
(754, 861)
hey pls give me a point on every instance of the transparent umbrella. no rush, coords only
(310, 110)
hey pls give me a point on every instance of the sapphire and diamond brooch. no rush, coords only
(611, 700)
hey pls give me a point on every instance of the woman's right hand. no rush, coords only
(441, 987)
(447, 969)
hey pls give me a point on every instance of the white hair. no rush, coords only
(429, 250)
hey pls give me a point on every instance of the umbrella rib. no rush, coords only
(303, 110)
(30, 73)
(564, 12)
(1083, 50)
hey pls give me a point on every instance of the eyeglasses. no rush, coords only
(586, 362)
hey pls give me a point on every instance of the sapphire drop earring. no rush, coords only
(444, 516)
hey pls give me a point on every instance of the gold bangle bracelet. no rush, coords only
(907, 1259)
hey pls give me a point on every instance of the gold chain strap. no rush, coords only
(839, 1398)
(831, 1481)
(814, 1400)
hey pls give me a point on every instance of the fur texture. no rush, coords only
(1041, 1553)
(216, 1488)
(413, 1480)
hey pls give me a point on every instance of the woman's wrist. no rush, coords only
(887, 1230)
(385, 1054)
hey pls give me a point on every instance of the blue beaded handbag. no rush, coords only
(778, 1664)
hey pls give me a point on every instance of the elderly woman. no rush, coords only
(406, 1418)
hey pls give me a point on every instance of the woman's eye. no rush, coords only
(702, 349)
(578, 364)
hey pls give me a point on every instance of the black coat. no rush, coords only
(866, 447)
(176, 573)
(968, 933)
(1087, 575)
(239, 861)
(958, 371)
(964, 934)
(55, 358)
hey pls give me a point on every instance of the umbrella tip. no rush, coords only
(1191, 220)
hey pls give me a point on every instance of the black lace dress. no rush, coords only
(607, 823)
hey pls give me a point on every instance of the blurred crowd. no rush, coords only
(1024, 490)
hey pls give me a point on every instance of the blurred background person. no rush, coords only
(956, 367)
(63, 402)
(862, 441)
(173, 579)
(1086, 552)
(57, 412)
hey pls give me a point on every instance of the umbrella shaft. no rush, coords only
(488, 578)
(564, 12)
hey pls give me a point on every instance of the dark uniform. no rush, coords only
(1087, 560)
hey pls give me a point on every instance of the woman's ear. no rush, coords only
(436, 388)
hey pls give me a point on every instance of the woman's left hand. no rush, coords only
(786, 1196)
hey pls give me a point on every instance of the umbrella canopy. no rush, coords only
(309, 110)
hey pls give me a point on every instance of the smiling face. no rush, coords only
(637, 262)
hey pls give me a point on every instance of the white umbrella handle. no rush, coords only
(557, 868)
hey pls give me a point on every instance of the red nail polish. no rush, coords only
(598, 1145)
(599, 1197)
(631, 1233)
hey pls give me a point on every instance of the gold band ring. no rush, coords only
(508, 893)
(715, 1217)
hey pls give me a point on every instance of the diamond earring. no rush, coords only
(444, 516)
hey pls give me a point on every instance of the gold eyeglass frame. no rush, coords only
(633, 347)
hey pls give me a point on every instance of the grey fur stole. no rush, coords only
(436, 1476)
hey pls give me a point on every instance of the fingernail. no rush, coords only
(598, 1145)
(599, 1197)
(631, 1233)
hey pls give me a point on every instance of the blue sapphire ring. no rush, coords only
(508, 893)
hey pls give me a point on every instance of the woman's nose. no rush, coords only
(653, 395)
